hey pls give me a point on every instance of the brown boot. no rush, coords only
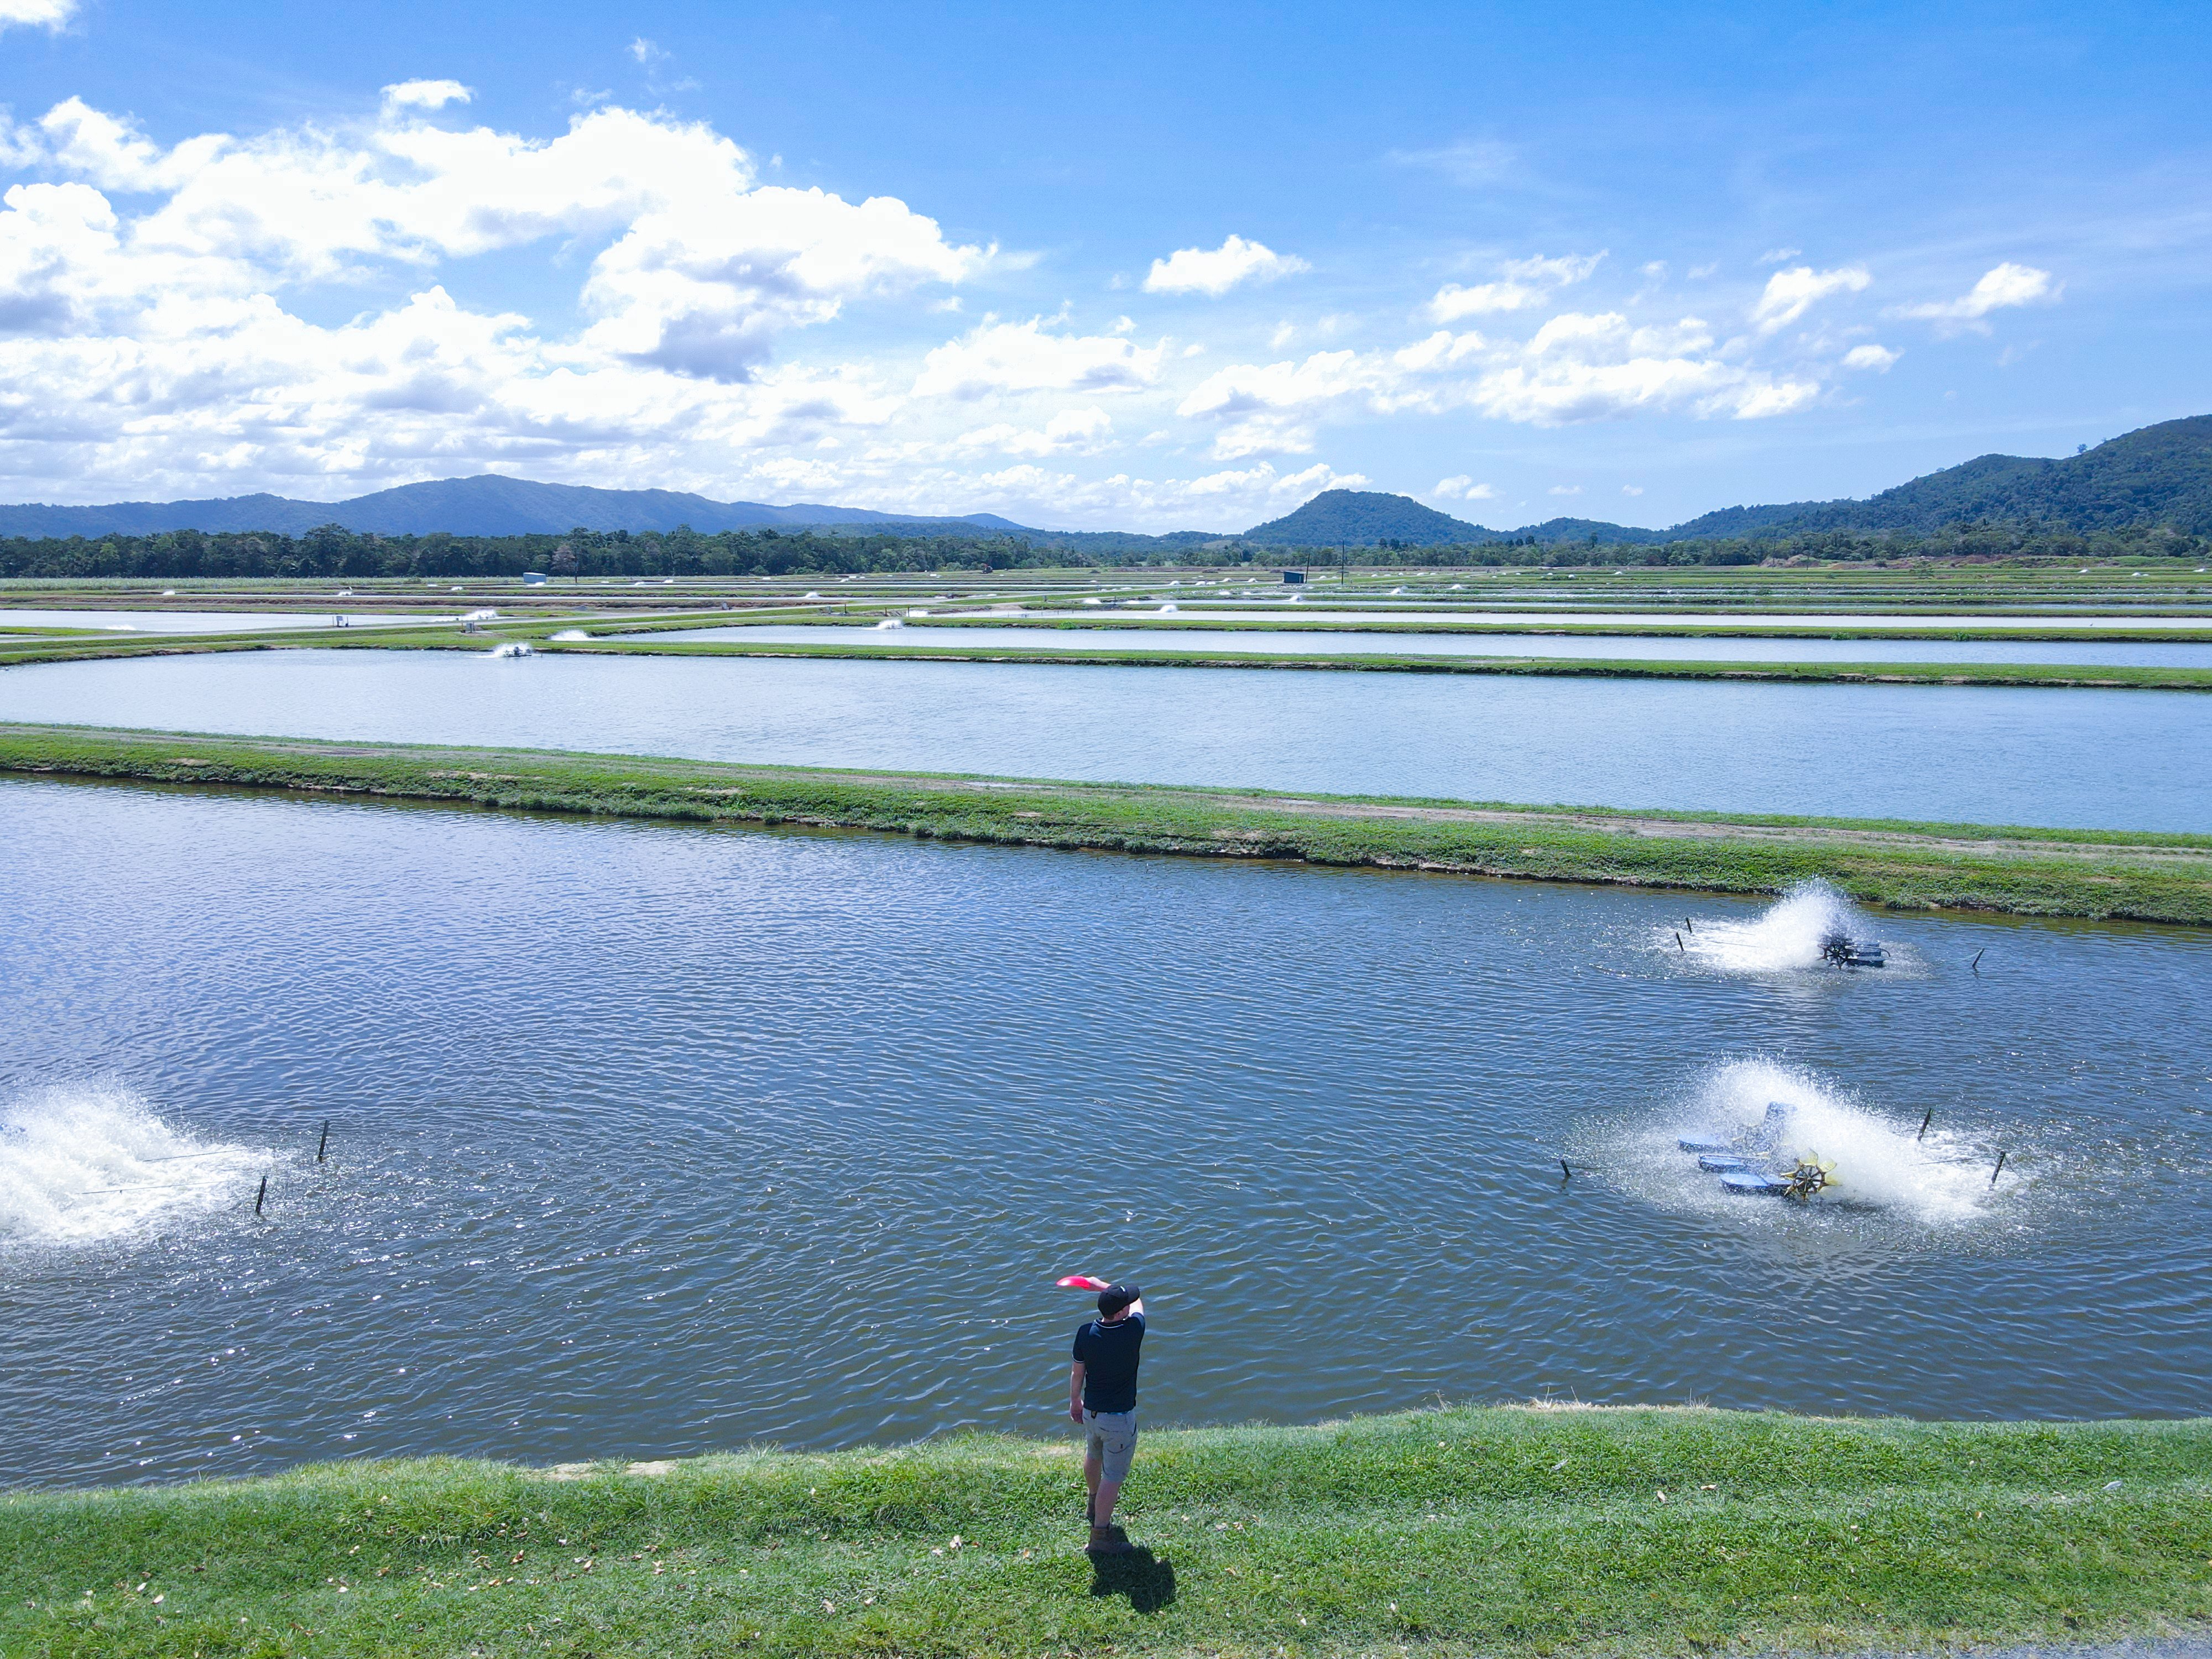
(1107, 1541)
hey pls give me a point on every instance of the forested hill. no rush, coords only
(2159, 475)
(1363, 517)
(484, 506)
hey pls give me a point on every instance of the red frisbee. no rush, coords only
(1082, 1282)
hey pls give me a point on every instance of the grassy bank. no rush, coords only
(1512, 1531)
(859, 640)
(2087, 873)
(2060, 676)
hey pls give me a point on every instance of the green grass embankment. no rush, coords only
(636, 638)
(2058, 676)
(1502, 1531)
(2099, 874)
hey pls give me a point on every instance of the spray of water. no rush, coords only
(512, 648)
(1777, 1114)
(888, 622)
(1788, 936)
(480, 615)
(85, 1163)
(572, 634)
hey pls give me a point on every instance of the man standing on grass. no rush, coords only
(1102, 1395)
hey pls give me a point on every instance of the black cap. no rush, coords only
(1116, 1297)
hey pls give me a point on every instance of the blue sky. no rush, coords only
(1177, 268)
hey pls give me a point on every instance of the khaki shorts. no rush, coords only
(1111, 1437)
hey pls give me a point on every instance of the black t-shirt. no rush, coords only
(1108, 1353)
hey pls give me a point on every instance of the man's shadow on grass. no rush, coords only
(1147, 1580)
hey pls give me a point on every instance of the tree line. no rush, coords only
(333, 553)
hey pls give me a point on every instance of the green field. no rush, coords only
(1501, 1531)
(2091, 873)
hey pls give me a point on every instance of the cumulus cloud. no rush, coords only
(37, 13)
(1214, 272)
(1072, 431)
(425, 95)
(2003, 285)
(1524, 283)
(1871, 356)
(164, 338)
(1790, 293)
(1577, 366)
(1032, 356)
(1463, 488)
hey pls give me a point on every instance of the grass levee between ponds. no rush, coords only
(1508, 1531)
(858, 640)
(2099, 874)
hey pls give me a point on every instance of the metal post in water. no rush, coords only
(1924, 1122)
(1679, 945)
(1689, 924)
(323, 1146)
(1565, 1173)
(260, 1196)
(1999, 1171)
(1976, 963)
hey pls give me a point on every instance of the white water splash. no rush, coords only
(572, 634)
(85, 1163)
(889, 622)
(512, 648)
(1777, 1114)
(1789, 936)
(479, 616)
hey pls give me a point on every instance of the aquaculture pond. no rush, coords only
(1153, 636)
(654, 1138)
(2126, 760)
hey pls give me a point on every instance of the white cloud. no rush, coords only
(166, 346)
(1577, 366)
(1775, 256)
(1214, 272)
(1526, 282)
(1470, 162)
(1871, 356)
(995, 357)
(1565, 490)
(1463, 488)
(425, 95)
(1632, 489)
(646, 52)
(37, 13)
(2003, 285)
(1790, 293)
(1072, 431)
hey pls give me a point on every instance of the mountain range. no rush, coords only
(2159, 475)
(487, 505)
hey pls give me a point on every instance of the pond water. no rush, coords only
(1321, 642)
(1599, 618)
(653, 1140)
(192, 622)
(2131, 760)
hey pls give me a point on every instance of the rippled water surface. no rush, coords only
(2132, 760)
(651, 1139)
(1318, 641)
